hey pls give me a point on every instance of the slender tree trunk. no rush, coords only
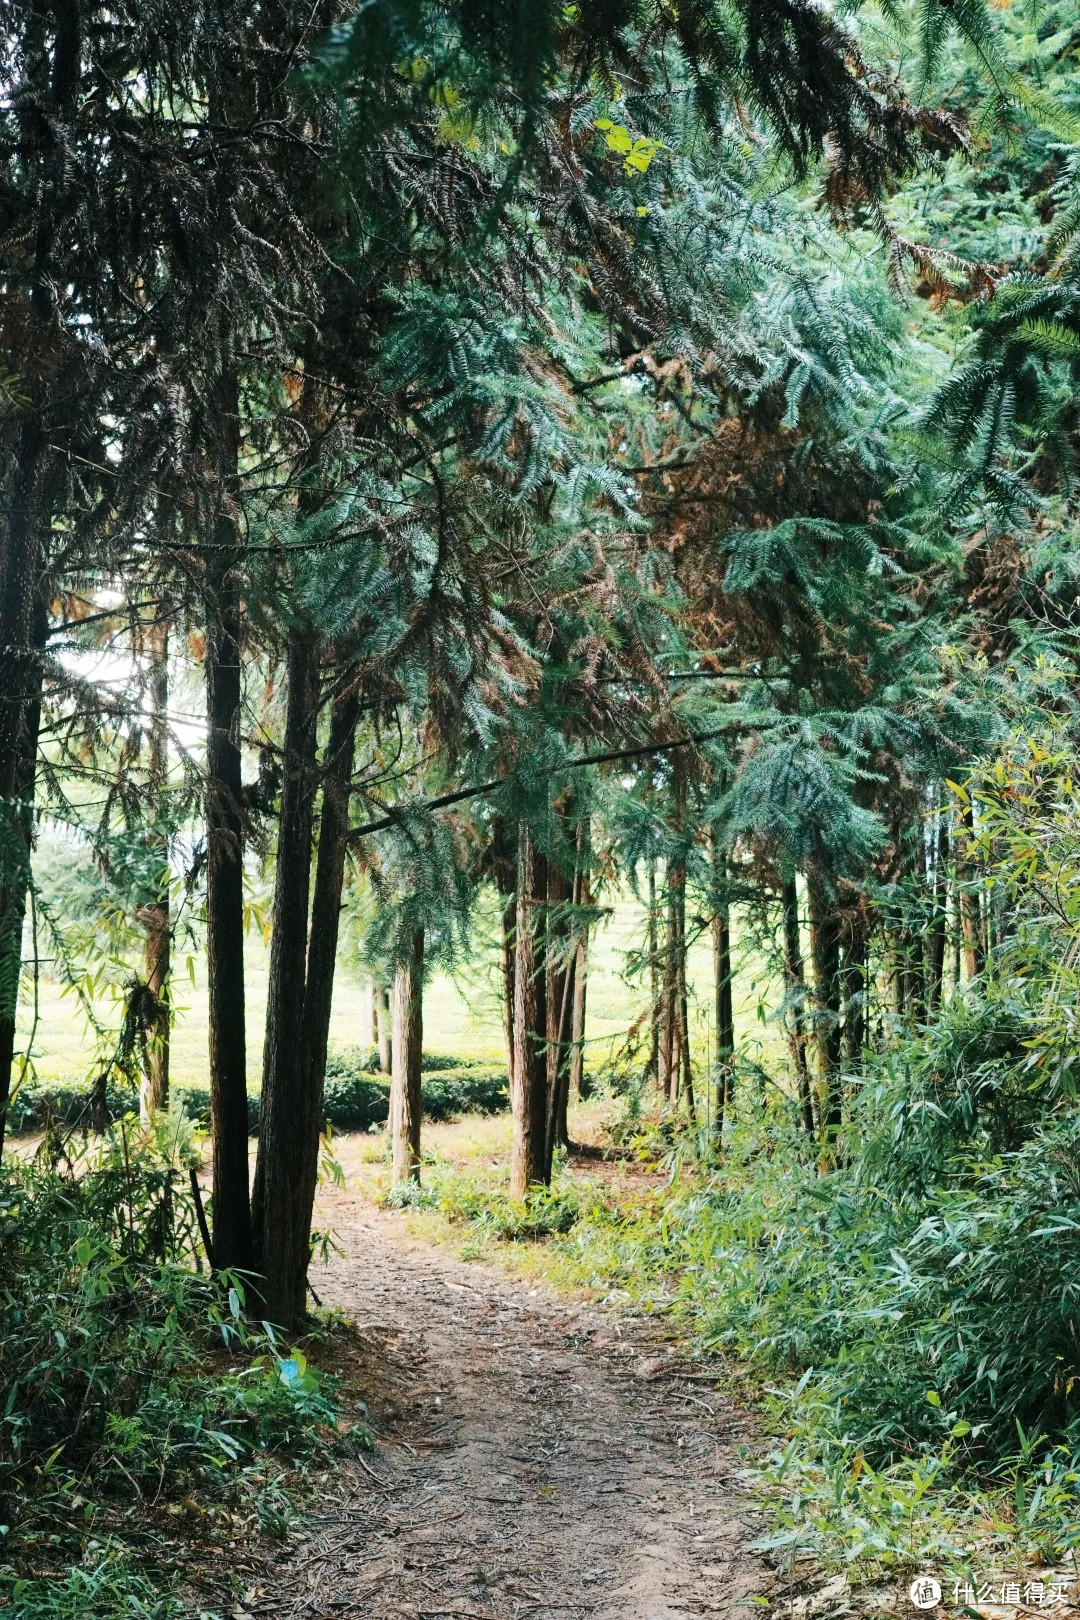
(292, 1114)
(825, 948)
(684, 1038)
(581, 986)
(405, 1104)
(367, 1017)
(504, 866)
(529, 1096)
(854, 989)
(655, 1015)
(154, 1092)
(233, 1238)
(21, 612)
(940, 930)
(558, 995)
(384, 1027)
(795, 986)
(280, 1145)
(970, 909)
(723, 1007)
(669, 1025)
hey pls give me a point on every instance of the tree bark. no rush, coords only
(795, 986)
(280, 1139)
(384, 1017)
(825, 948)
(405, 1103)
(233, 1236)
(655, 1014)
(581, 987)
(292, 1115)
(939, 932)
(853, 978)
(559, 1001)
(23, 622)
(154, 1092)
(724, 1011)
(505, 866)
(529, 1095)
(367, 1017)
(970, 909)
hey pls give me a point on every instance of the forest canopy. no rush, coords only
(468, 469)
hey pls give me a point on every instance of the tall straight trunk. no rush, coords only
(22, 638)
(367, 1016)
(795, 987)
(825, 949)
(505, 867)
(939, 931)
(853, 984)
(283, 1052)
(558, 1131)
(970, 908)
(669, 1016)
(723, 1002)
(384, 1026)
(559, 1001)
(654, 982)
(291, 1119)
(529, 1095)
(154, 1091)
(684, 1030)
(233, 1237)
(405, 1104)
(581, 986)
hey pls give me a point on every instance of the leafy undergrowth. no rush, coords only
(356, 1098)
(908, 1320)
(146, 1424)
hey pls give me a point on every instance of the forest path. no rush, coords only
(536, 1455)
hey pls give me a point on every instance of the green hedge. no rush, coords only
(354, 1100)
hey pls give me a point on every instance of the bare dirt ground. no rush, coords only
(535, 1455)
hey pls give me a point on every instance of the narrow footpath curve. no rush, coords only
(536, 1456)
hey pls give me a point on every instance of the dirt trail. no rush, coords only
(536, 1456)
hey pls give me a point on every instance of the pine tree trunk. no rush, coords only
(367, 1017)
(154, 1092)
(322, 958)
(655, 1013)
(723, 1008)
(505, 868)
(825, 949)
(669, 1022)
(559, 1002)
(384, 1016)
(939, 932)
(405, 1103)
(22, 637)
(291, 1117)
(970, 909)
(233, 1238)
(581, 986)
(795, 986)
(529, 1095)
(281, 1145)
(854, 990)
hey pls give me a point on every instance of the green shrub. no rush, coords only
(354, 1100)
(478, 1091)
(112, 1382)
